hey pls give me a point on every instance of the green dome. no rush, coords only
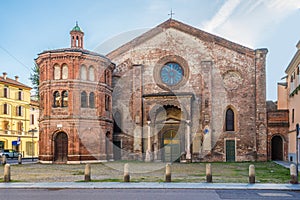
(76, 28)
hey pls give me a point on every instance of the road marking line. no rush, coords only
(274, 194)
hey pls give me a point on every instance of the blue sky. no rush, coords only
(30, 27)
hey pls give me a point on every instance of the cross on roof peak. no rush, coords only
(171, 14)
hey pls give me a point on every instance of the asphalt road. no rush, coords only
(144, 194)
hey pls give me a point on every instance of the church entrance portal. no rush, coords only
(170, 138)
(277, 148)
(61, 147)
(171, 146)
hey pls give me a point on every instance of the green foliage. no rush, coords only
(35, 78)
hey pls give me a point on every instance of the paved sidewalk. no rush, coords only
(147, 185)
(286, 164)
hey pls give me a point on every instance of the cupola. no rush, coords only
(76, 37)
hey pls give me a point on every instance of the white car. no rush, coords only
(9, 153)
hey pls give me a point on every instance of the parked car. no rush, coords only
(9, 153)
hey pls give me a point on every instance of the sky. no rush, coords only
(30, 27)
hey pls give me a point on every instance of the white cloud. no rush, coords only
(283, 6)
(222, 15)
(248, 22)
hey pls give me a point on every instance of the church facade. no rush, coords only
(173, 94)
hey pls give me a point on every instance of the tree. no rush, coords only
(35, 79)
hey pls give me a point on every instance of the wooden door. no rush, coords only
(230, 151)
(171, 144)
(61, 147)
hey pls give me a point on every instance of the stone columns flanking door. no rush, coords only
(188, 141)
(148, 151)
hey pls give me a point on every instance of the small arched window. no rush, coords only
(56, 72)
(65, 71)
(229, 120)
(92, 100)
(64, 95)
(91, 73)
(77, 41)
(56, 99)
(83, 73)
(83, 99)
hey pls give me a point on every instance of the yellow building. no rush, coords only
(289, 98)
(15, 130)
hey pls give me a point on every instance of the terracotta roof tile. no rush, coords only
(10, 81)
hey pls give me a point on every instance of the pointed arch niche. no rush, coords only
(230, 119)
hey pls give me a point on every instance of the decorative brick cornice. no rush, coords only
(171, 23)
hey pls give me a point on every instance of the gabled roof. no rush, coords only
(13, 82)
(171, 23)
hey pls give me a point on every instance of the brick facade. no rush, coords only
(75, 84)
(278, 130)
(218, 75)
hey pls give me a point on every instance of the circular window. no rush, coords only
(171, 74)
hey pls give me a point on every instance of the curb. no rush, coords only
(150, 185)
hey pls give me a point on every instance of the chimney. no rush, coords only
(17, 78)
(4, 75)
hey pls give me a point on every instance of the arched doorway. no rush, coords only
(61, 147)
(170, 137)
(277, 148)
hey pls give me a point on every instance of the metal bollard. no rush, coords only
(126, 173)
(293, 173)
(168, 173)
(208, 173)
(87, 173)
(19, 159)
(4, 159)
(7, 173)
(251, 174)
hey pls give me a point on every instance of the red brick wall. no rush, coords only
(86, 127)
